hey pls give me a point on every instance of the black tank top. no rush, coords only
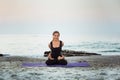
(55, 52)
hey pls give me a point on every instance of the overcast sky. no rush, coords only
(70, 17)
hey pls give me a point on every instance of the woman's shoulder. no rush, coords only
(61, 42)
(50, 44)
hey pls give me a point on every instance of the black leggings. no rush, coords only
(55, 61)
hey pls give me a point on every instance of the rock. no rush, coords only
(1, 55)
(73, 53)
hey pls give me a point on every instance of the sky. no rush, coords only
(70, 17)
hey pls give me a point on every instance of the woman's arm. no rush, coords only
(61, 57)
(50, 57)
(62, 44)
(62, 54)
(49, 46)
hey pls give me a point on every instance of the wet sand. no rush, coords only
(101, 68)
(94, 61)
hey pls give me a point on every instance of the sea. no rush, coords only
(34, 45)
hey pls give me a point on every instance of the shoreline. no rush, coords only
(94, 61)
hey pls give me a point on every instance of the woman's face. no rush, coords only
(56, 36)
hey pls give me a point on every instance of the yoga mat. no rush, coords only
(39, 64)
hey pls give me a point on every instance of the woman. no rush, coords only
(55, 56)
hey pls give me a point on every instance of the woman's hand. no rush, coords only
(60, 57)
(50, 57)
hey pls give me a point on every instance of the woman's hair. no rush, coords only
(56, 32)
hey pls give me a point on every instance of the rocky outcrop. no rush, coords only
(73, 53)
(1, 55)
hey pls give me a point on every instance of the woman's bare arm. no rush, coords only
(49, 46)
(62, 56)
(62, 43)
(49, 55)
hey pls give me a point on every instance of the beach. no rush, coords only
(101, 68)
(31, 29)
(18, 49)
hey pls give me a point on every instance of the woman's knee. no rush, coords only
(50, 62)
(47, 62)
(63, 62)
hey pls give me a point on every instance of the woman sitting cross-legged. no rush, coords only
(55, 56)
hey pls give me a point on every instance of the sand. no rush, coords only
(101, 68)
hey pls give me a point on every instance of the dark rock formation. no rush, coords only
(73, 53)
(1, 55)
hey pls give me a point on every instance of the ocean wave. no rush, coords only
(111, 51)
(117, 48)
(103, 45)
(115, 43)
